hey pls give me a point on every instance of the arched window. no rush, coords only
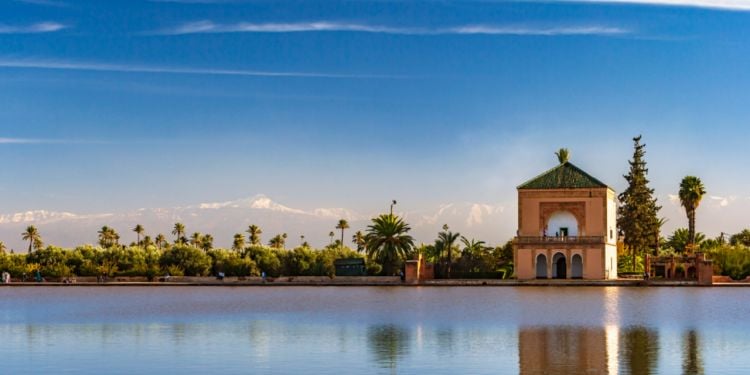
(541, 266)
(576, 267)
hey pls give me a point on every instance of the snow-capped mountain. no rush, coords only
(224, 219)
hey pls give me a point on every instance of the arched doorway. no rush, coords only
(576, 267)
(541, 266)
(559, 266)
(691, 273)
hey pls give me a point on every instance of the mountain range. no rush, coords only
(488, 222)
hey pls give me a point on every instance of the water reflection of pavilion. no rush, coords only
(569, 350)
(598, 350)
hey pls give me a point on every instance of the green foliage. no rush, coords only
(742, 238)
(625, 264)
(388, 242)
(175, 270)
(691, 193)
(32, 235)
(193, 261)
(637, 214)
(15, 264)
(108, 237)
(232, 263)
(680, 239)
(255, 233)
(732, 261)
(266, 260)
(477, 259)
(374, 269)
(387, 239)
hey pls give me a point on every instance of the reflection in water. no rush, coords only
(639, 350)
(596, 350)
(306, 330)
(570, 350)
(692, 363)
(388, 344)
(445, 341)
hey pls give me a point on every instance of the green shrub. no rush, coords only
(175, 270)
(192, 261)
(266, 260)
(374, 269)
(232, 263)
(732, 261)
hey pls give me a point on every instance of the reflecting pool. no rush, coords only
(437, 330)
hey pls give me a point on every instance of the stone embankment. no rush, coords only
(356, 281)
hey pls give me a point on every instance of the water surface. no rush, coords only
(439, 330)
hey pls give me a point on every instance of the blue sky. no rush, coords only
(115, 105)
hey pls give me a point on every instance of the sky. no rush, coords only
(110, 106)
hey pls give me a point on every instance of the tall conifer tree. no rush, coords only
(637, 214)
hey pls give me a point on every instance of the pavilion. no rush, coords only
(567, 227)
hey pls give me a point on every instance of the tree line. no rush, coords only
(385, 245)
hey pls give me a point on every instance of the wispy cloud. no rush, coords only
(119, 68)
(6, 141)
(51, 3)
(35, 28)
(734, 5)
(202, 27)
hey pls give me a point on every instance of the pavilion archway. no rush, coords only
(541, 266)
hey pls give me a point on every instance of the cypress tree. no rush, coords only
(637, 214)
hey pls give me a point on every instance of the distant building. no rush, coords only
(350, 267)
(567, 227)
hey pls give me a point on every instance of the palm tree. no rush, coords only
(691, 193)
(278, 241)
(255, 233)
(196, 239)
(563, 155)
(472, 247)
(160, 240)
(446, 239)
(343, 225)
(138, 232)
(359, 239)
(679, 240)
(32, 235)
(331, 234)
(239, 242)
(38, 244)
(147, 241)
(178, 231)
(108, 236)
(387, 241)
(207, 242)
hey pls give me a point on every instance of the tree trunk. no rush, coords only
(31, 242)
(691, 229)
(449, 261)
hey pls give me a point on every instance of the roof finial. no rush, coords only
(563, 155)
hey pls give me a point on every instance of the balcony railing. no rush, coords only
(561, 240)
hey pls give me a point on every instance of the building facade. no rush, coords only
(567, 227)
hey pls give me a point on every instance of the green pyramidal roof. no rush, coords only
(564, 176)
